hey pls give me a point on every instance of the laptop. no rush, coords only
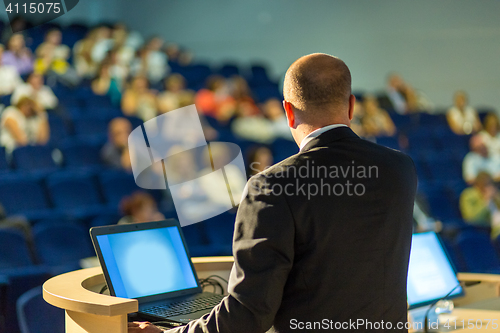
(431, 276)
(150, 262)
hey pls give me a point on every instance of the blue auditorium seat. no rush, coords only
(4, 164)
(75, 193)
(477, 251)
(220, 230)
(283, 148)
(14, 249)
(264, 92)
(90, 125)
(23, 195)
(104, 219)
(389, 141)
(78, 153)
(61, 243)
(228, 70)
(35, 315)
(421, 139)
(116, 184)
(443, 207)
(36, 159)
(259, 76)
(58, 129)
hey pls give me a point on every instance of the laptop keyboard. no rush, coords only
(184, 307)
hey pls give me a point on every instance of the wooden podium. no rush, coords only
(88, 311)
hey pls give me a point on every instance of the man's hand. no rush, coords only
(144, 327)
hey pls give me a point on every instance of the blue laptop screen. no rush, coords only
(430, 273)
(146, 262)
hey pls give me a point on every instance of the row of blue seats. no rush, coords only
(76, 193)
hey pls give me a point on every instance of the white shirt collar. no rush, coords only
(318, 132)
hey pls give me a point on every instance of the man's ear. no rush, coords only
(352, 101)
(290, 116)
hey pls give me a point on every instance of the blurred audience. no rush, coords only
(105, 85)
(480, 204)
(462, 118)
(357, 118)
(375, 121)
(18, 55)
(37, 91)
(403, 97)
(23, 124)
(9, 77)
(139, 207)
(175, 95)
(115, 152)
(151, 61)
(273, 110)
(138, 100)
(215, 100)
(479, 159)
(259, 159)
(491, 133)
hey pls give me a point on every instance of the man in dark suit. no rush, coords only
(322, 239)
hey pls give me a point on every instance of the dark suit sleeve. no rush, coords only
(263, 249)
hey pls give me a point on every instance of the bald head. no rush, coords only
(318, 83)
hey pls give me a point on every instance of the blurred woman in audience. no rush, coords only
(18, 55)
(376, 122)
(9, 77)
(51, 54)
(152, 61)
(259, 159)
(175, 94)
(139, 207)
(115, 153)
(138, 100)
(37, 91)
(479, 159)
(52, 60)
(105, 85)
(462, 118)
(90, 51)
(23, 124)
(491, 133)
(480, 204)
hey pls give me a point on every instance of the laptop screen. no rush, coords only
(146, 262)
(431, 275)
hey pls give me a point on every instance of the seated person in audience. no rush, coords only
(479, 159)
(273, 110)
(139, 207)
(251, 126)
(37, 91)
(259, 159)
(214, 101)
(115, 152)
(23, 124)
(138, 100)
(462, 118)
(152, 61)
(491, 133)
(18, 55)
(9, 77)
(82, 54)
(105, 85)
(51, 54)
(376, 121)
(175, 95)
(480, 204)
(403, 97)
